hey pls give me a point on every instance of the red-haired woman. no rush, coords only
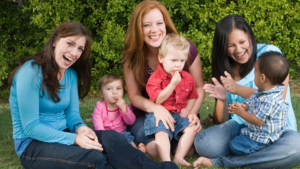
(149, 24)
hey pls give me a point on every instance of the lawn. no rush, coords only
(9, 159)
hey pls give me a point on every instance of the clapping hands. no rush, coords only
(237, 108)
(217, 91)
(229, 84)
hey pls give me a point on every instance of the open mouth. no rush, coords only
(67, 58)
(241, 55)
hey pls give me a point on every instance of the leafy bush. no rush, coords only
(26, 26)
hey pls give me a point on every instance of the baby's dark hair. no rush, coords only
(274, 66)
(108, 78)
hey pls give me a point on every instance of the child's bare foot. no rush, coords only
(182, 162)
(142, 147)
(202, 161)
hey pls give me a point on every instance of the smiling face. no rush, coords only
(239, 46)
(67, 51)
(154, 28)
(173, 61)
(111, 91)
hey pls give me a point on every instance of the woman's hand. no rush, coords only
(229, 84)
(193, 119)
(217, 91)
(163, 115)
(86, 138)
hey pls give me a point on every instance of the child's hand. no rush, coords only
(246, 107)
(229, 84)
(121, 104)
(235, 108)
(184, 112)
(175, 79)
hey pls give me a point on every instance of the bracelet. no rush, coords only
(76, 126)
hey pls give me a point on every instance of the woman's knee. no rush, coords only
(97, 159)
(214, 141)
(110, 138)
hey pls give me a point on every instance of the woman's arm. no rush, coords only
(190, 104)
(286, 84)
(217, 91)
(28, 98)
(196, 71)
(72, 111)
(220, 113)
(232, 87)
(136, 98)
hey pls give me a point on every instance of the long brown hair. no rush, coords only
(45, 59)
(134, 53)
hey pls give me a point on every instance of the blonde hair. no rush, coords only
(134, 53)
(108, 78)
(174, 42)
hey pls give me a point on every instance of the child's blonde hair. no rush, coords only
(173, 42)
(108, 78)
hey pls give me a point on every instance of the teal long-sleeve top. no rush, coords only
(36, 116)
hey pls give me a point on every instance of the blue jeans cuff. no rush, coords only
(217, 162)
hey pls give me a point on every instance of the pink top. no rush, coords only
(104, 119)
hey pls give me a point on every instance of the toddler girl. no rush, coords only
(113, 113)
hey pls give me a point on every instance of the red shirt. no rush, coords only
(183, 92)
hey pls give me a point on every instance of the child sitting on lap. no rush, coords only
(265, 112)
(113, 113)
(173, 88)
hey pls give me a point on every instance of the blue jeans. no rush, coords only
(138, 131)
(243, 144)
(118, 154)
(213, 143)
(180, 125)
(128, 136)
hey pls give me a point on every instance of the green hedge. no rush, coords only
(26, 25)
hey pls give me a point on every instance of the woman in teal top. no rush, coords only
(48, 131)
(234, 54)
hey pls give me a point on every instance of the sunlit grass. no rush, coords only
(9, 159)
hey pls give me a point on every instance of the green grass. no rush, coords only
(9, 159)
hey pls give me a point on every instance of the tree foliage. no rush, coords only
(26, 26)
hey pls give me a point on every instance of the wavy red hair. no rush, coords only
(134, 53)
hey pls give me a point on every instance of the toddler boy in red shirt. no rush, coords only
(173, 88)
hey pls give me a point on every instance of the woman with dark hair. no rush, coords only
(48, 131)
(149, 24)
(234, 54)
